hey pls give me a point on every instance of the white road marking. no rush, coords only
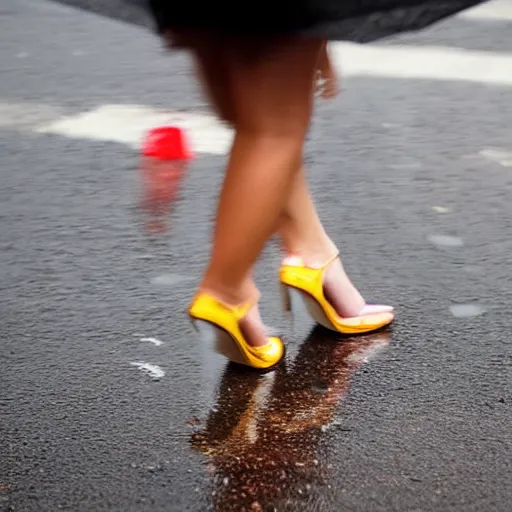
(128, 124)
(446, 241)
(498, 10)
(26, 115)
(154, 371)
(440, 209)
(466, 310)
(428, 62)
(154, 341)
(500, 156)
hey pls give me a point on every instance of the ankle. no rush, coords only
(312, 255)
(251, 325)
(230, 294)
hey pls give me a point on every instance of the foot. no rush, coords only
(341, 293)
(339, 290)
(252, 327)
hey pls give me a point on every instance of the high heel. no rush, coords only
(230, 341)
(309, 282)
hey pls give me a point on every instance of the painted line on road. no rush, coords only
(26, 115)
(128, 124)
(498, 10)
(441, 209)
(429, 63)
(154, 341)
(153, 370)
(498, 155)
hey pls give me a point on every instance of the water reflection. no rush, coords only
(161, 182)
(263, 435)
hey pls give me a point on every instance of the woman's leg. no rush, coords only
(212, 71)
(300, 228)
(272, 94)
(302, 235)
(211, 67)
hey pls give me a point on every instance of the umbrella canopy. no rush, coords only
(359, 21)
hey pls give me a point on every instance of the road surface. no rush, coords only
(109, 401)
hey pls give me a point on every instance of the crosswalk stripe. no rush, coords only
(498, 10)
(429, 62)
(127, 124)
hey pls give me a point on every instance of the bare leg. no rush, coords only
(301, 230)
(272, 97)
(302, 235)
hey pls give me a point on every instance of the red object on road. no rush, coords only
(167, 143)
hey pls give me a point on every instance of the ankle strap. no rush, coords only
(241, 309)
(298, 261)
(332, 258)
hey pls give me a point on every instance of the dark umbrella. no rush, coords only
(360, 21)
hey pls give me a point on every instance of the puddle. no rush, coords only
(466, 310)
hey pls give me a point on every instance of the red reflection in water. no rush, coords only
(161, 182)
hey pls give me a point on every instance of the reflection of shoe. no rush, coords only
(309, 282)
(230, 341)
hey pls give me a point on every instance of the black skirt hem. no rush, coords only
(347, 20)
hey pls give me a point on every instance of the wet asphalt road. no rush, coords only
(414, 419)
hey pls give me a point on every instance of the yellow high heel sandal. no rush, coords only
(309, 282)
(230, 341)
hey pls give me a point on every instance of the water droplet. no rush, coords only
(446, 241)
(405, 165)
(466, 310)
(169, 279)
